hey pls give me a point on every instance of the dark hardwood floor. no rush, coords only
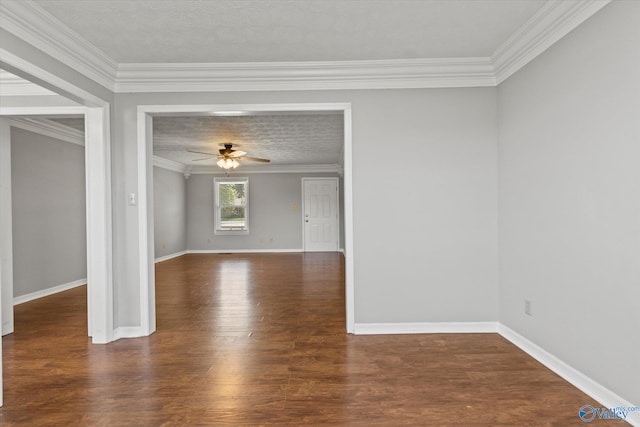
(259, 339)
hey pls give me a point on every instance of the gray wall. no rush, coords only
(439, 266)
(426, 229)
(569, 130)
(273, 224)
(556, 116)
(48, 208)
(169, 212)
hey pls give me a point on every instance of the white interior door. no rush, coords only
(321, 231)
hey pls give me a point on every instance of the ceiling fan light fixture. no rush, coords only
(228, 157)
(228, 163)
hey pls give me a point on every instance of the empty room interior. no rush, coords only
(320, 212)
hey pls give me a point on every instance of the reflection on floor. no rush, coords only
(259, 339)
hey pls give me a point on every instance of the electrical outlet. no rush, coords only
(164, 246)
(209, 240)
(527, 308)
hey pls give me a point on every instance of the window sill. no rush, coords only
(231, 232)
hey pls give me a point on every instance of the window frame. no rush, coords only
(218, 230)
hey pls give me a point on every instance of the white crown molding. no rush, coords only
(31, 23)
(13, 85)
(253, 169)
(49, 128)
(552, 22)
(334, 75)
(187, 170)
(163, 163)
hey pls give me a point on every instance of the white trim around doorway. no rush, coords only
(98, 214)
(145, 194)
(98, 187)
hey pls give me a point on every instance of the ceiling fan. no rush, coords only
(228, 157)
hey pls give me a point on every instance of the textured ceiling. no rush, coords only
(209, 31)
(292, 30)
(285, 139)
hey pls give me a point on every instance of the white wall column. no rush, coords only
(146, 224)
(99, 225)
(6, 250)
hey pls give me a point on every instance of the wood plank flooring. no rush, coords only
(259, 339)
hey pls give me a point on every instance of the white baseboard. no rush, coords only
(7, 327)
(224, 251)
(50, 291)
(590, 387)
(128, 332)
(606, 397)
(242, 251)
(232, 251)
(598, 392)
(170, 256)
(425, 328)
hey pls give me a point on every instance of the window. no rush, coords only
(232, 205)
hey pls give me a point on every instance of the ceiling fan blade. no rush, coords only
(237, 153)
(254, 159)
(202, 152)
(204, 158)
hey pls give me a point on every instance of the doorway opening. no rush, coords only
(98, 193)
(48, 204)
(145, 192)
(95, 111)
